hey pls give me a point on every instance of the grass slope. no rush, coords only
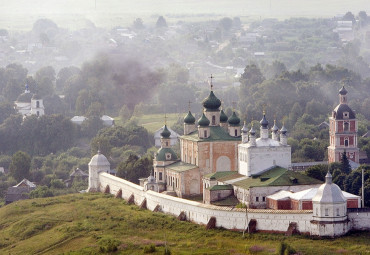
(98, 223)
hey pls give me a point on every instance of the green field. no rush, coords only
(21, 14)
(97, 223)
(153, 122)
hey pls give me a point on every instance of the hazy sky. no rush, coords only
(20, 14)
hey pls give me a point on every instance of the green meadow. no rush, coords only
(101, 224)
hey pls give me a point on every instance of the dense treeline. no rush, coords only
(344, 177)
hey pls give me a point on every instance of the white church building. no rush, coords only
(29, 104)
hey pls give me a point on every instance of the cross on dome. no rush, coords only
(211, 81)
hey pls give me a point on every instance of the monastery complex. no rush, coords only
(220, 159)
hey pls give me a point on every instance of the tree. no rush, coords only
(20, 165)
(161, 22)
(317, 172)
(41, 191)
(349, 17)
(134, 168)
(138, 24)
(362, 15)
(251, 75)
(226, 23)
(237, 22)
(6, 109)
(124, 113)
(345, 166)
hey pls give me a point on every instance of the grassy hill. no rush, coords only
(98, 223)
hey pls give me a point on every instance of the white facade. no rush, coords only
(37, 107)
(264, 153)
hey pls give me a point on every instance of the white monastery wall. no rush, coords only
(360, 220)
(267, 220)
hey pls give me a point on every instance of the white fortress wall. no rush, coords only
(229, 218)
(360, 220)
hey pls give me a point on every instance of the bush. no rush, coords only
(285, 249)
(41, 191)
(108, 245)
(57, 184)
(240, 205)
(149, 248)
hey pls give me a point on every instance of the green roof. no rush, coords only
(211, 102)
(165, 133)
(217, 134)
(181, 166)
(277, 176)
(223, 117)
(161, 155)
(224, 176)
(234, 120)
(203, 121)
(222, 187)
(189, 118)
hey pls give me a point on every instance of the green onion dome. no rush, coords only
(234, 120)
(203, 121)
(165, 133)
(189, 118)
(223, 117)
(211, 102)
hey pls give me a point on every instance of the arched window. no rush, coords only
(346, 126)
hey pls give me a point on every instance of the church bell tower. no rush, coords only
(343, 131)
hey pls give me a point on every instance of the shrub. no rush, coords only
(240, 205)
(285, 249)
(107, 244)
(41, 191)
(149, 248)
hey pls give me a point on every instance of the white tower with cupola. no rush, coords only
(343, 128)
(99, 163)
(329, 210)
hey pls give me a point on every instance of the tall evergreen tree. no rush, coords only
(345, 166)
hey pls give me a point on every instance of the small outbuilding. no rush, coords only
(19, 192)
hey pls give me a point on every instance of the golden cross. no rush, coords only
(264, 109)
(211, 81)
